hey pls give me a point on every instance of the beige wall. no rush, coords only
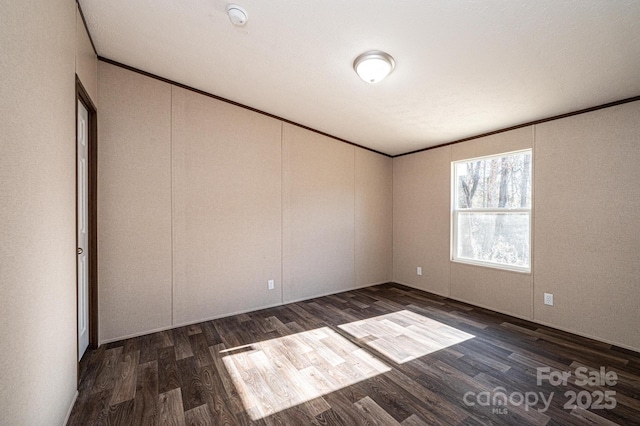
(421, 220)
(134, 203)
(373, 218)
(201, 203)
(504, 291)
(585, 213)
(318, 239)
(587, 223)
(227, 208)
(37, 212)
(251, 198)
(86, 60)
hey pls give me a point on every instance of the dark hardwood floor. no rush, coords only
(383, 355)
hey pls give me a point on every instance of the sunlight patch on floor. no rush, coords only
(273, 375)
(404, 335)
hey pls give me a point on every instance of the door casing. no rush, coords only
(92, 157)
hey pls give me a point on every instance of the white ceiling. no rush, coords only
(462, 67)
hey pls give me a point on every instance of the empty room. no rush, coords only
(320, 213)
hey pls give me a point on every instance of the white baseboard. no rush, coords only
(73, 402)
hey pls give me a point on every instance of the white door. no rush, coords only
(83, 229)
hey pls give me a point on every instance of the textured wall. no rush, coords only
(497, 289)
(586, 215)
(201, 203)
(421, 206)
(373, 218)
(318, 214)
(134, 203)
(587, 221)
(86, 60)
(504, 291)
(227, 208)
(513, 140)
(38, 352)
(422, 229)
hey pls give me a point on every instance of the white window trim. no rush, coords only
(454, 218)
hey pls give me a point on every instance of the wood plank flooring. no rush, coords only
(383, 355)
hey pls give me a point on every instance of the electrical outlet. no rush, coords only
(419, 270)
(548, 299)
(271, 284)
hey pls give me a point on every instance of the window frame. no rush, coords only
(455, 212)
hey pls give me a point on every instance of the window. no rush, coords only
(491, 211)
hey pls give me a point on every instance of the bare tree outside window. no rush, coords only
(492, 210)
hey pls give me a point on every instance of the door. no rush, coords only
(83, 229)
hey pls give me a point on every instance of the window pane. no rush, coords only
(495, 182)
(501, 238)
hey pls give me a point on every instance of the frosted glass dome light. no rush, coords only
(374, 66)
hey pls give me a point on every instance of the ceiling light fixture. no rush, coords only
(237, 14)
(374, 65)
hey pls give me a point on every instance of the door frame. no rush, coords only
(92, 199)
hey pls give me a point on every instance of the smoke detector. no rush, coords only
(237, 15)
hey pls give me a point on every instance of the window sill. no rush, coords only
(500, 267)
